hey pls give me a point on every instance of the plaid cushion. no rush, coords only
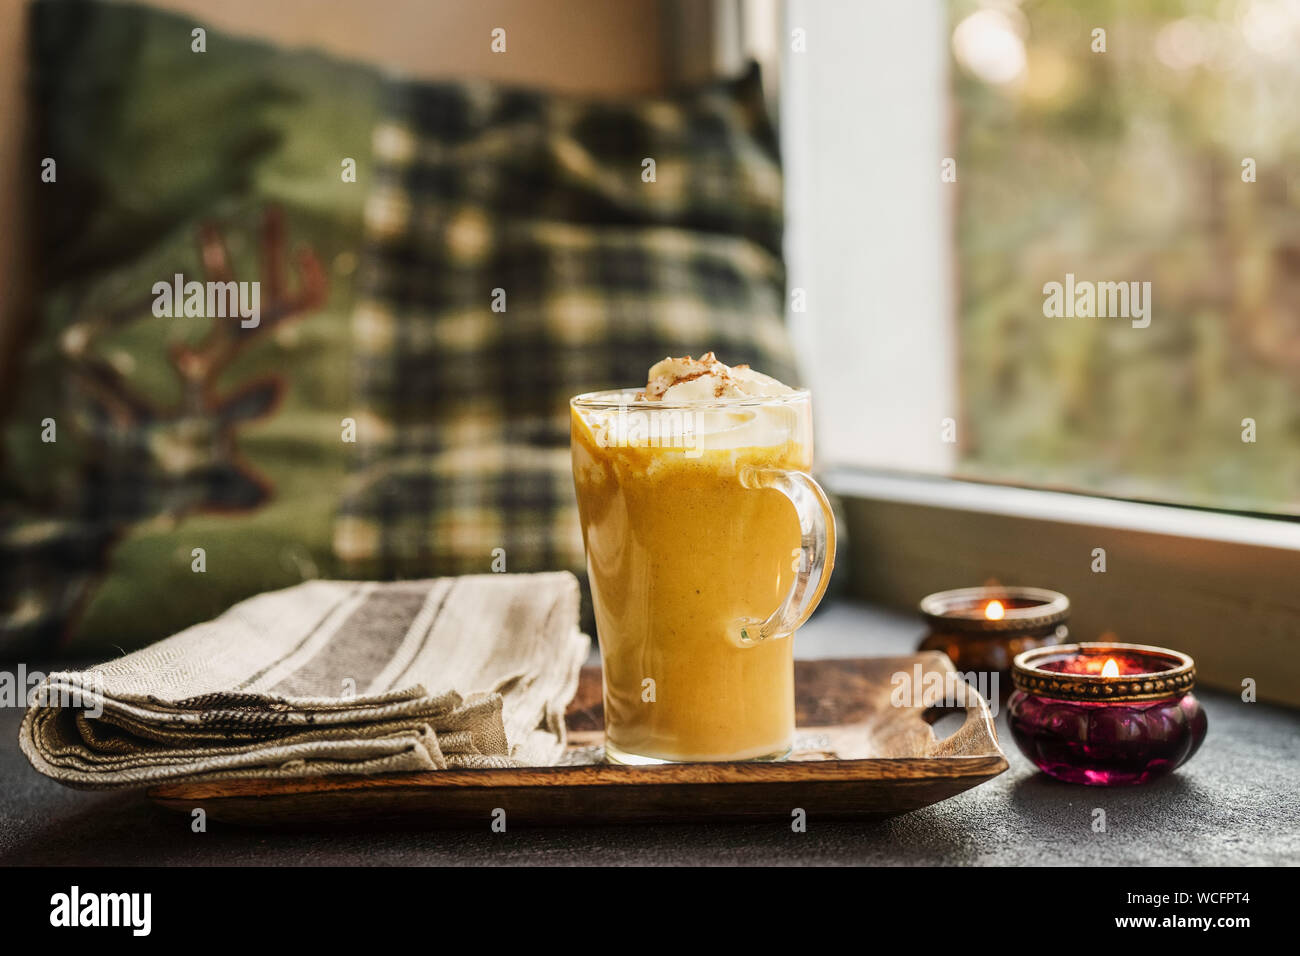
(47, 565)
(461, 411)
(538, 204)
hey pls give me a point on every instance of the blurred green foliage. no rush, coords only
(1127, 165)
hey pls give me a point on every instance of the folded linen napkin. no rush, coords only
(327, 677)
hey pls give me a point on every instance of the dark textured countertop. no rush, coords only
(1236, 803)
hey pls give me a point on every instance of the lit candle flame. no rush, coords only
(994, 611)
(1110, 668)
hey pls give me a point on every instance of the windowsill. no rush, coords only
(1008, 500)
(1221, 587)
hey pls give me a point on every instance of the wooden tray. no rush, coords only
(856, 755)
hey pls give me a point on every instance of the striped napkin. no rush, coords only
(327, 677)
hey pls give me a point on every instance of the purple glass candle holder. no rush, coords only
(1105, 714)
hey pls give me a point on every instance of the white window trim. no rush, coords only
(865, 119)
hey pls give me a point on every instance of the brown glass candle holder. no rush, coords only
(983, 629)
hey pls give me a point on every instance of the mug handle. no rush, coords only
(814, 559)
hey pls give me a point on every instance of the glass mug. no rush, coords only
(707, 544)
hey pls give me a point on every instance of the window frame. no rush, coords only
(1219, 585)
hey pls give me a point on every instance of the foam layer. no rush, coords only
(647, 422)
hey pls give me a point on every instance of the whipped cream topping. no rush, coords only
(706, 379)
